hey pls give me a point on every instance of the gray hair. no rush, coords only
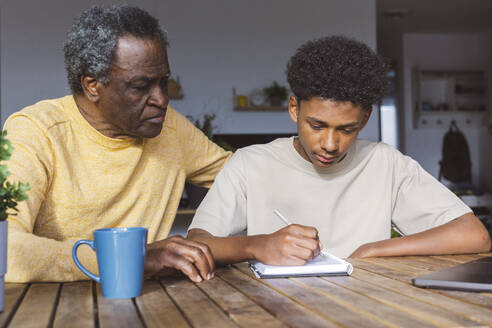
(90, 49)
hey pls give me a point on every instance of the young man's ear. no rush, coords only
(367, 115)
(294, 107)
(90, 87)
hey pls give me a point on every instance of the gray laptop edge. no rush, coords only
(471, 276)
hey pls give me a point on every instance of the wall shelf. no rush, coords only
(445, 95)
(261, 108)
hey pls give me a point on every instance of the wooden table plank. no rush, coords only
(37, 306)
(198, 309)
(375, 267)
(415, 263)
(157, 309)
(240, 308)
(365, 305)
(433, 315)
(285, 309)
(428, 296)
(399, 266)
(75, 306)
(460, 258)
(378, 294)
(333, 308)
(481, 299)
(116, 312)
(438, 262)
(384, 270)
(426, 263)
(13, 296)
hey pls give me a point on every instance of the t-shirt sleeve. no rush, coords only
(420, 202)
(223, 210)
(31, 257)
(203, 159)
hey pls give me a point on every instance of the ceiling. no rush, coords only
(395, 17)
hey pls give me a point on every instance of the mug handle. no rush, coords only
(76, 260)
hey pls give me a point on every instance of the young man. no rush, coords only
(344, 192)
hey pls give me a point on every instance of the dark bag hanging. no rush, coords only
(455, 164)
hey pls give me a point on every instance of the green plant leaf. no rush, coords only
(206, 127)
(394, 233)
(10, 193)
(276, 90)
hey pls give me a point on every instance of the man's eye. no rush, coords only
(348, 131)
(141, 87)
(315, 127)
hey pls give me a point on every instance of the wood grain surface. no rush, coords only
(379, 293)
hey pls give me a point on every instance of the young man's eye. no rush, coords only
(315, 126)
(348, 131)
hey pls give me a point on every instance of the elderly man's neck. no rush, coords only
(91, 113)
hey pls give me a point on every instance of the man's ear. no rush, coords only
(91, 88)
(294, 108)
(367, 115)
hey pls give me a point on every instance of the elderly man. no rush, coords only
(111, 154)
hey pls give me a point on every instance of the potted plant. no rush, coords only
(195, 193)
(204, 125)
(10, 195)
(275, 93)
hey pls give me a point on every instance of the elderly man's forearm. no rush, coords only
(34, 258)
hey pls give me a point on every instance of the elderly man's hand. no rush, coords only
(194, 259)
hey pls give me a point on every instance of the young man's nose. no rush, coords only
(330, 141)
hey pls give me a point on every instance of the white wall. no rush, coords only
(486, 136)
(445, 51)
(215, 45)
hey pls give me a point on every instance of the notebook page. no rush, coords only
(320, 264)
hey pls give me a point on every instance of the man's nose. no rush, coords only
(330, 141)
(159, 97)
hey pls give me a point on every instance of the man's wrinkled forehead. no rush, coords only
(141, 55)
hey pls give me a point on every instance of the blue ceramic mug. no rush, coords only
(120, 258)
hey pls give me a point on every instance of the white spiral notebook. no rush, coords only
(323, 265)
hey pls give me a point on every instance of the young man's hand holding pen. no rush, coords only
(292, 245)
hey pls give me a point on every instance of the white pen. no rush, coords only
(281, 217)
(276, 211)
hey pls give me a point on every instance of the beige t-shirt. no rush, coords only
(351, 203)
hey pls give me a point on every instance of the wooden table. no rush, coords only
(378, 294)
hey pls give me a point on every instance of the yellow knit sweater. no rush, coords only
(82, 180)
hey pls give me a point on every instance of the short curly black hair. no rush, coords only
(91, 44)
(340, 69)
